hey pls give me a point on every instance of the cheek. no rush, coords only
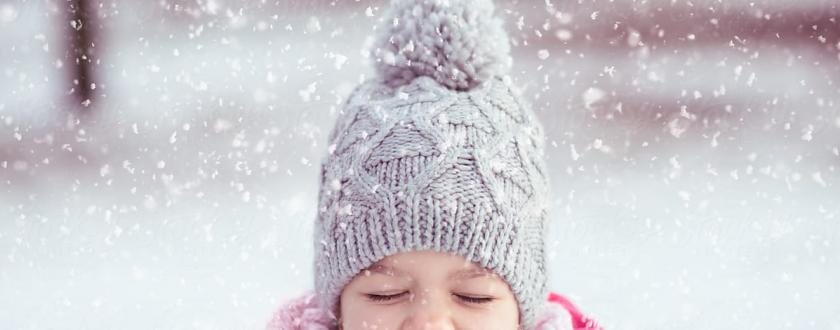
(501, 315)
(358, 314)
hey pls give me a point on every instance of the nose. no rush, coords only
(430, 312)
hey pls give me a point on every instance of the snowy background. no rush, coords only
(694, 152)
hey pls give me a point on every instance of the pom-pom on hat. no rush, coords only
(438, 152)
(458, 43)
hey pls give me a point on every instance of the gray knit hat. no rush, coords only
(438, 152)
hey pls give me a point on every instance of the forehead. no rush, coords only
(416, 264)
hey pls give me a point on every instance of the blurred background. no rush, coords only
(159, 159)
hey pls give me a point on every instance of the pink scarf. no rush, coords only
(303, 313)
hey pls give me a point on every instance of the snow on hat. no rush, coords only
(438, 152)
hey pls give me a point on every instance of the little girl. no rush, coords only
(433, 200)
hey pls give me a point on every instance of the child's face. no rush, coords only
(428, 290)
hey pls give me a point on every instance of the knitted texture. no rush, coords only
(303, 313)
(459, 43)
(450, 163)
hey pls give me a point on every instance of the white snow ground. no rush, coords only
(695, 181)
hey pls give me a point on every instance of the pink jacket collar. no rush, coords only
(303, 313)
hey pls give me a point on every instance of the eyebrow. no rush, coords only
(385, 270)
(469, 273)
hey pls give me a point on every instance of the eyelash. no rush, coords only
(472, 300)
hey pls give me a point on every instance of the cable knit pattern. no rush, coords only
(305, 314)
(423, 167)
(437, 153)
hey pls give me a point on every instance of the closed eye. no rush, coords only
(474, 300)
(464, 298)
(385, 297)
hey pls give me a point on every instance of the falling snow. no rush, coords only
(693, 148)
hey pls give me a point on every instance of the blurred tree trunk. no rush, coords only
(80, 56)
